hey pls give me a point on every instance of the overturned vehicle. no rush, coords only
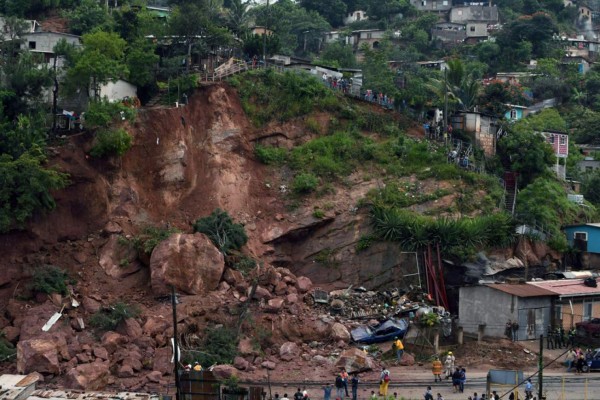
(382, 332)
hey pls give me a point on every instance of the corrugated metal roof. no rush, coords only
(567, 287)
(521, 290)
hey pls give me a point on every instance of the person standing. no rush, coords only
(339, 387)
(428, 395)
(399, 349)
(579, 364)
(354, 383)
(463, 379)
(327, 391)
(528, 389)
(449, 364)
(549, 339)
(298, 395)
(384, 382)
(570, 359)
(515, 325)
(344, 375)
(436, 369)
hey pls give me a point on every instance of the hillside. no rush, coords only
(185, 163)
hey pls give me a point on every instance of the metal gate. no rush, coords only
(531, 323)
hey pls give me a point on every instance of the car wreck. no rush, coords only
(382, 332)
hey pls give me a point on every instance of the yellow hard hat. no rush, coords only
(449, 352)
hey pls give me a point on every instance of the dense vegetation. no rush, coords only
(115, 45)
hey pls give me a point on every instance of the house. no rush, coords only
(581, 47)
(560, 144)
(159, 11)
(372, 37)
(355, 16)
(338, 36)
(493, 305)
(449, 33)
(432, 5)
(482, 127)
(478, 20)
(515, 112)
(573, 300)
(588, 149)
(588, 165)
(514, 78)
(438, 65)
(584, 11)
(44, 42)
(260, 30)
(585, 238)
(582, 63)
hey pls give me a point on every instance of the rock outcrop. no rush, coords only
(190, 263)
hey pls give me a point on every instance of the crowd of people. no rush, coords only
(342, 84)
(379, 98)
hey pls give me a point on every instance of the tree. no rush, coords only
(293, 25)
(338, 55)
(87, 16)
(142, 62)
(238, 17)
(591, 187)
(526, 152)
(100, 61)
(386, 10)
(197, 25)
(537, 29)
(377, 74)
(333, 11)
(497, 94)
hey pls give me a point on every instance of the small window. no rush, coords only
(563, 139)
(424, 3)
(445, 2)
(551, 139)
(459, 12)
(589, 169)
(513, 114)
(472, 29)
(580, 236)
(587, 310)
(32, 45)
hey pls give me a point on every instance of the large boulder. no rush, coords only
(93, 376)
(339, 332)
(117, 260)
(190, 263)
(162, 360)
(355, 360)
(288, 351)
(41, 355)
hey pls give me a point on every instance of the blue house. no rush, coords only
(585, 237)
(515, 112)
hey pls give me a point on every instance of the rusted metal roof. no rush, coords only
(567, 287)
(521, 290)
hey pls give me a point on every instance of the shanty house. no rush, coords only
(586, 239)
(491, 306)
(574, 300)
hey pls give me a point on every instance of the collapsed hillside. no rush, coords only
(186, 162)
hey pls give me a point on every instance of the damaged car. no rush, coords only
(382, 332)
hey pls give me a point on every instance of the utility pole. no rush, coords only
(265, 36)
(445, 99)
(54, 98)
(175, 344)
(541, 368)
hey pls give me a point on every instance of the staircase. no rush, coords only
(510, 191)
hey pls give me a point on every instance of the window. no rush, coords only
(589, 169)
(563, 139)
(587, 310)
(445, 2)
(580, 236)
(32, 45)
(459, 12)
(558, 314)
(551, 139)
(424, 3)
(513, 114)
(472, 29)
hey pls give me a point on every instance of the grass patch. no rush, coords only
(109, 318)
(51, 279)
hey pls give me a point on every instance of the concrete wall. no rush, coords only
(477, 29)
(44, 42)
(118, 90)
(484, 305)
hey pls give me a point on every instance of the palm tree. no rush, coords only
(460, 87)
(238, 17)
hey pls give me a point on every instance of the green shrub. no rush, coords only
(102, 113)
(305, 183)
(51, 279)
(318, 213)
(218, 347)
(7, 350)
(150, 237)
(222, 231)
(364, 242)
(270, 155)
(109, 318)
(244, 264)
(111, 143)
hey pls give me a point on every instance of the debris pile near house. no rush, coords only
(360, 303)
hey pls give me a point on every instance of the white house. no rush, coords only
(358, 15)
(116, 91)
